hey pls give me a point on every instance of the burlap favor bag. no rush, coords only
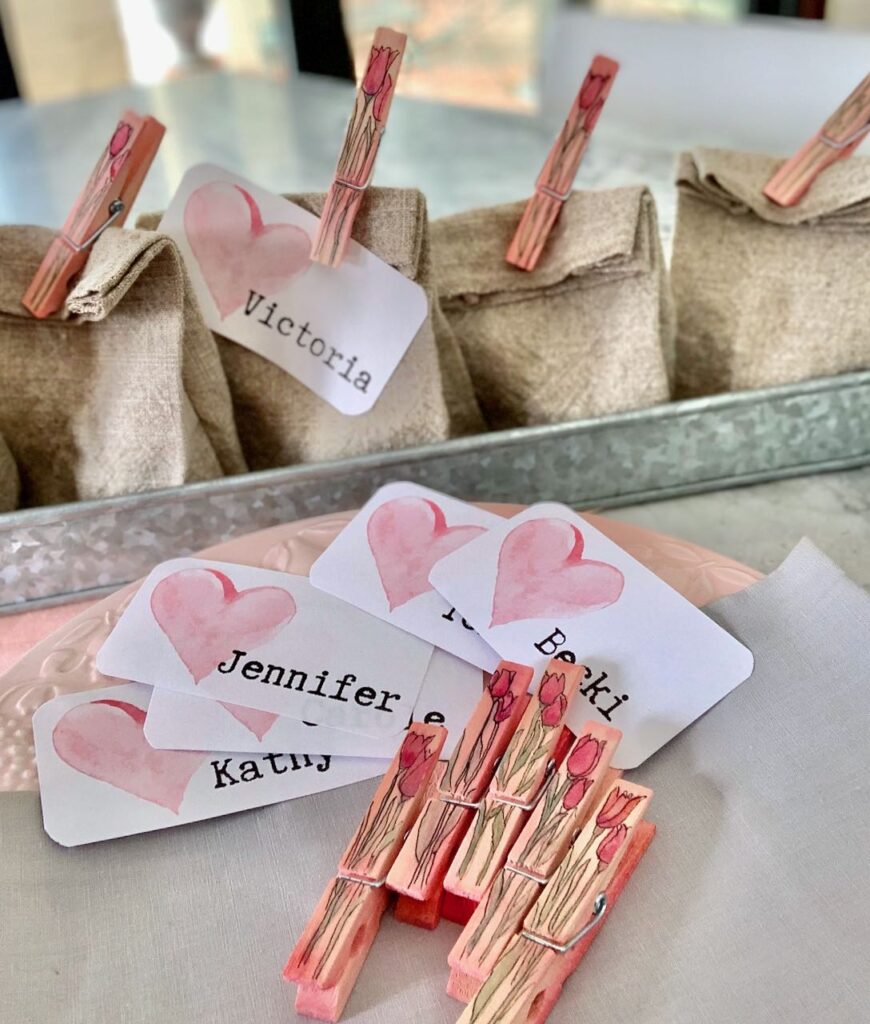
(10, 484)
(588, 332)
(766, 294)
(429, 397)
(124, 390)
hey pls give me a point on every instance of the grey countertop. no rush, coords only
(759, 525)
(285, 137)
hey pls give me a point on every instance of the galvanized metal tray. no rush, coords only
(52, 554)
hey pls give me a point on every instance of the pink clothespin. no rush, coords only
(557, 175)
(570, 795)
(419, 869)
(106, 199)
(532, 756)
(839, 136)
(530, 973)
(362, 139)
(328, 957)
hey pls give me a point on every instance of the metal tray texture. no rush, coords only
(60, 552)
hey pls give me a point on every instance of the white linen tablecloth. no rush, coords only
(751, 906)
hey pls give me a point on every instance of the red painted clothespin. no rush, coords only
(418, 872)
(839, 136)
(570, 795)
(105, 200)
(328, 957)
(529, 975)
(533, 754)
(557, 175)
(362, 139)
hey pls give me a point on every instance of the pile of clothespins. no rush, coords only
(525, 837)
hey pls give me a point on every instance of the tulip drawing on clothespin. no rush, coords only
(568, 799)
(419, 869)
(528, 976)
(361, 142)
(554, 183)
(333, 948)
(105, 200)
(532, 755)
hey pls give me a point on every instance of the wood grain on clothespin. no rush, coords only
(531, 757)
(570, 795)
(554, 183)
(520, 989)
(838, 138)
(331, 951)
(361, 141)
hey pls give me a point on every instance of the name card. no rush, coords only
(100, 779)
(381, 562)
(177, 721)
(546, 584)
(341, 331)
(269, 641)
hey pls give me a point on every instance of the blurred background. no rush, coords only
(486, 53)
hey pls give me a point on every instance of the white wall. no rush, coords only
(755, 84)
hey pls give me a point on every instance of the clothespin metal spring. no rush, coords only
(526, 874)
(116, 208)
(545, 190)
(859, 133)
(370, 882)
(598, 908)
(533, 803)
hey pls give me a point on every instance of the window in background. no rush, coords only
(482, 53)
(171, 38)
(716, 10)
(64, 49)
(848, 13)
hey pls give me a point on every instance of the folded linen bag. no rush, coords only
(429, 397)
(10, 485)
(588, 332)
(766, 294)
(123, 390)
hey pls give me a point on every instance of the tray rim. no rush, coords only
(492, 440)
(58, 553)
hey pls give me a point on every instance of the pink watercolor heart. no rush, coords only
(407, 537)
(205, 617)
(105, 740)
(257, 722)
(236, 252)
(542, 573)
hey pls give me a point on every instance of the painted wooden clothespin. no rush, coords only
(571, 794)
(643, 834)
(106, 199)
(419, 869)
(363, 137)
(553, 185)
(328, 957)
(532, 756)
(838, 137)
(423, 913)
(528, 976)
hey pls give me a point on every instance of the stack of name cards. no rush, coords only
(245, 686)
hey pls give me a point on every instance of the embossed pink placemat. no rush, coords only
(51, 651)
